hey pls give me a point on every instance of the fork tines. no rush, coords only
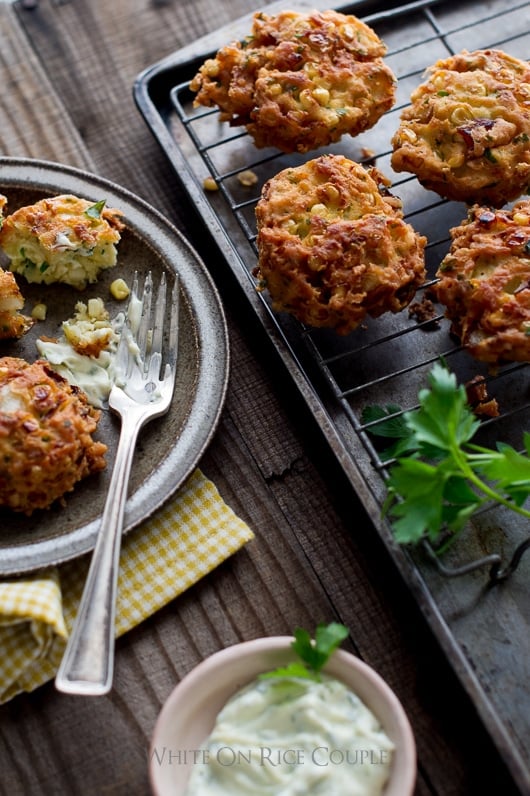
(150, 332)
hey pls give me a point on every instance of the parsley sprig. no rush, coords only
(440, 478)
(313, 654)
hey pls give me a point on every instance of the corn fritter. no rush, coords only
(299, 81)
(46, 443)
(466, 133)
(484, 283)
(333, 245)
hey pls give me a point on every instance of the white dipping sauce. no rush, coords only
(293, 737)
(93, 375)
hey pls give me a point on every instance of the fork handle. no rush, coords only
(88, 662)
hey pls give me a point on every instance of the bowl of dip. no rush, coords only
(224, 731)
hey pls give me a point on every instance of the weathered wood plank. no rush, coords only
(34, 123)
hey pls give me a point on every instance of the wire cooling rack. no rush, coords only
(388, 359)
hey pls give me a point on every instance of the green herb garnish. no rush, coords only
(94, 211)
(444, 478)
(389, 423)
(313, 654)
(25, 261)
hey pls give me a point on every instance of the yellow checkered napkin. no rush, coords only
(184, 540)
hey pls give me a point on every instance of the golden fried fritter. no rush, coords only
(333, 246)
(484, 282)
(299, 81)
(62, 239)
(12, 323)
(46, 429)
(466, 134)
(90, 331)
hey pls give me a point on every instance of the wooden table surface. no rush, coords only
(67, 69)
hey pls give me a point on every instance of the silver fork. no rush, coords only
(139, 394)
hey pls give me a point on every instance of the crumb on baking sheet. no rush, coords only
(424, 312)
(247, 178)
(209, 184)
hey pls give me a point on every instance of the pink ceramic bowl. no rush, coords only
(189, 713)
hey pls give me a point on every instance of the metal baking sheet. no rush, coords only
(483, 628)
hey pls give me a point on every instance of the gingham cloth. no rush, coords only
(184, 540)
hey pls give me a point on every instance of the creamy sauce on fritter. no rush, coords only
(95, 375)
(293, 737)
(92, 374)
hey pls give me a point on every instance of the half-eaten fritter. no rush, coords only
(46, 443)
(333, 245)
(484, 283)
(62, 239)
(466, 133)
(299, 81)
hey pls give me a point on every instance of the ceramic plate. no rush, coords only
(170, 447)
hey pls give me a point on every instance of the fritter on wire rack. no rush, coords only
(46, 443)
(333, 245)
(62, 239)
(299, 81)
(466, 134)
(484, 282)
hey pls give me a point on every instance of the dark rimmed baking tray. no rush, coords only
(482, 621)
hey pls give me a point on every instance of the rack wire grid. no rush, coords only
(386, 361)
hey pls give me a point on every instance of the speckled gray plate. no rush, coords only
(170, 447)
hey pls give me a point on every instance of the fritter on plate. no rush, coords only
(13, 323)
(46, 443)
(62, 239)
(333, 245)
(299, 81)
(466, 134)
(90, 331)
(484, 283)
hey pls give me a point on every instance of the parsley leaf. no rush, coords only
(95, 210)
(388, 419)
(440, 477)
(387, 422)
(444, 418)
(313, 654)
